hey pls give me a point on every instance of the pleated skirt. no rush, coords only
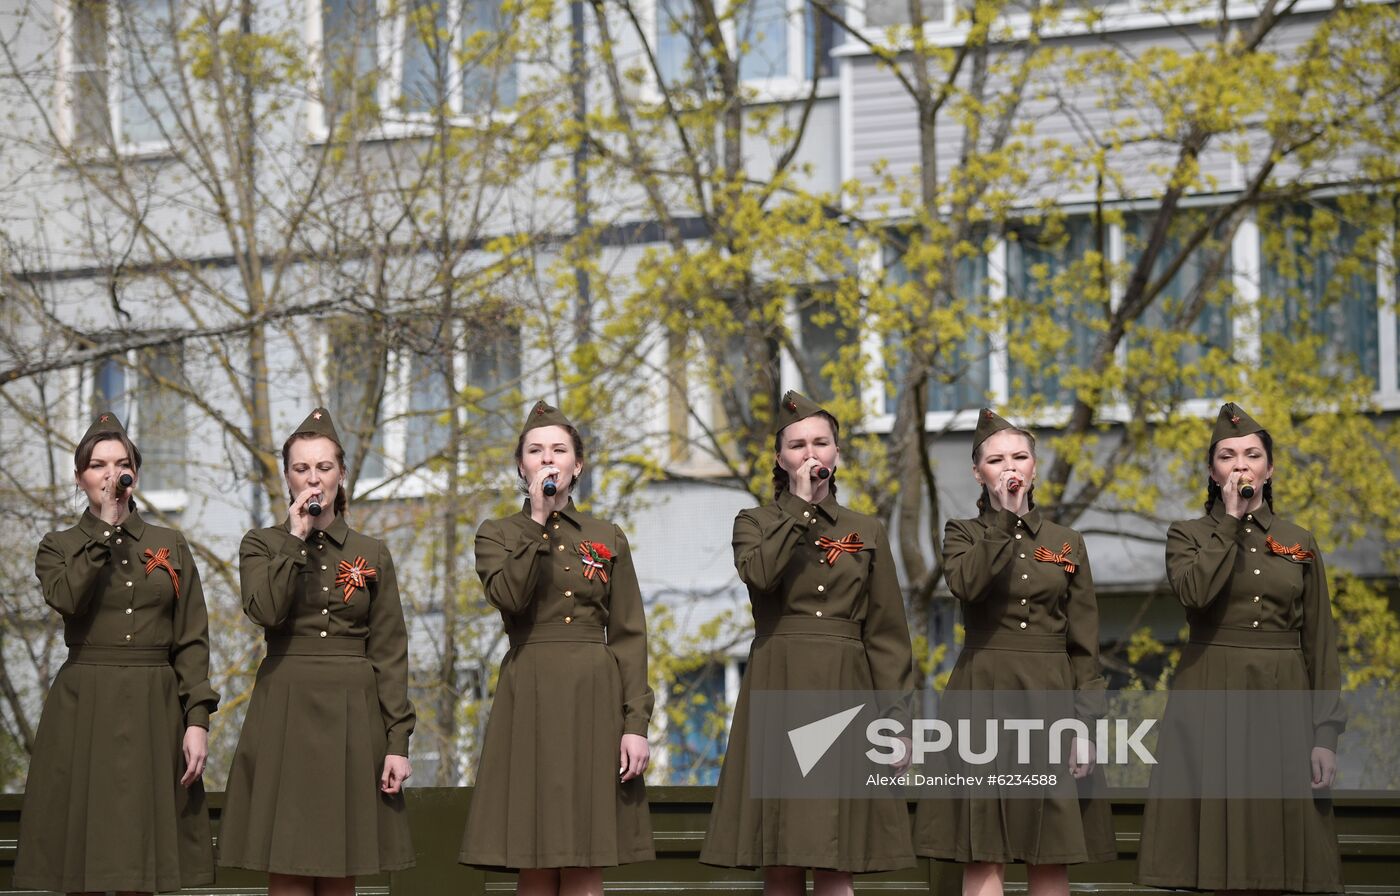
(547, 792)
(853, 835)
(303, 792)
(1237, 843)
(1062, 824)
(103, 805)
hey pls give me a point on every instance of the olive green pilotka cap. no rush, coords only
(543, 414)
(796, 406)
(318, 423)
(989, 423)
(104, 423)
(1232, 423)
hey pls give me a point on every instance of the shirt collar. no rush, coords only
(93, 526)
(828, 507)
(1032, 519)
(336, 531)
(570, 513)
(1264, 516)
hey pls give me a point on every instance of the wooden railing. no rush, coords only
(1369, 830)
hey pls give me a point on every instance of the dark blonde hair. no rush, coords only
(780, 476)
(341, 502)
(82, 455)
(520, 452)
(983, 500)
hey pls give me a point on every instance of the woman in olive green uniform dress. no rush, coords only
(315, 793)
(114, 799)
(1256, 599)
(1031, 625)
(559, 792)
(828, 615)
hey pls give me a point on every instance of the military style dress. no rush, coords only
(820, 624)
(1031, 625)
(574, 681)
(330, 701)
(103, 807)
(1255, 594)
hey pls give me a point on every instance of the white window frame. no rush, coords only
(390, 56)
(398, 482)
(1246, 271)
(790, 87)
(64, 18)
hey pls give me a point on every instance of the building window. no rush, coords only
(357, 362)
(761, 39)
(1196, 290)
(429, 55)
(696, 714)
(489, 74)
(822, 337)
(1318, 290)
(349, 55)
(146, 390)
(425, 70)
(677, 42)
(1051, 326)
(131, 96)
(493, 374)
(773, 41)
(962, 376)
(430, 397)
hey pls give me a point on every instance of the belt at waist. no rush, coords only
(1288, 639)
(87, 655)
(823, 626)
(307, 645)
(1001, 639)
(546, 632)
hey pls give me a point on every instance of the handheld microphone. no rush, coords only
(551, 488)
(1013, 485)
(313, 506)
(823, 473)
(124, 481)
(1246, 488)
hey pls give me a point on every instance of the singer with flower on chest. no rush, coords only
(828, 615)
(315, 794)
(559, 793)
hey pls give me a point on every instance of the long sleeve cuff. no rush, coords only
(398, 742)
(198, 716)
(1327, 736)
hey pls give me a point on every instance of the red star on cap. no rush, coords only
(1235, 420)
(988, 414)
(539, 412)
(316, 415)
(792, 405)
(103, 419)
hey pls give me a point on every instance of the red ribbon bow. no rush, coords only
(593, 554)
(1294, 553)
(161, 560)
(354, 575)
(848, 545)
(1061, 558)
